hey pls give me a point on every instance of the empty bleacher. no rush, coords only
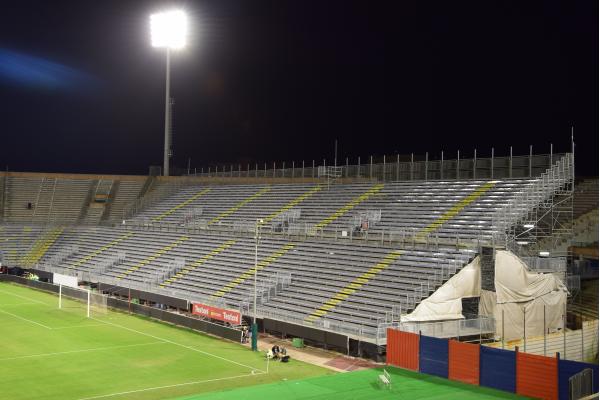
(406, 207)
(319, 270)
(196, 241)
(70, 199)
(585, 197)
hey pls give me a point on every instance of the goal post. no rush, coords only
(81, 298)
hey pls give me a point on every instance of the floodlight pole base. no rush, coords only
(254, 329)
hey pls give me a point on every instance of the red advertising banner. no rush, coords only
(233, 317)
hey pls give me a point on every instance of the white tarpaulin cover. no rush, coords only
(445, 303)
(521, 297)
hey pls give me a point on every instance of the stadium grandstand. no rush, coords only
(498, 251)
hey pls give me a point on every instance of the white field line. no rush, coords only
(182, 345)
(23, 297)
(78, 326)
(25, 319)
(15, 304)
(79, 351)
(172, 386)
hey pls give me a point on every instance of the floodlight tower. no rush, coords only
(168, 30)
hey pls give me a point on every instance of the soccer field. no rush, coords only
(50, 353)
(362, 385)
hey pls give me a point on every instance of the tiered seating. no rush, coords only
(463, 208)
(221, 268)
(16, 240)
(40, 200)
(350, 282)
(127, 192)
(585, 197)
(51, 199)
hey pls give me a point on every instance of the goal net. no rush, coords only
(76, 298)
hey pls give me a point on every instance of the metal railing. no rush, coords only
(478, 326)
(394, 168)
(518, 218)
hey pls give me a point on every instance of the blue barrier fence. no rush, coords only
(498, 369)
(433, 356)
(567, 369)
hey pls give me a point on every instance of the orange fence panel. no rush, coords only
(403, 349)
(463, 362)
(537, 376)
(391, 347)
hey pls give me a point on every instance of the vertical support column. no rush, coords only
(550, 156)
(383, 173)
(564, 355)
(412, 166)
(283, 170)
(371, 168)
(458, 164)
(167, 150)
(582, 341)
(358, 168)
(313, 169)
(524, 332)
(346, 167)
(442, 166)
(475, 164)
(256, 170)
(510, 162)
(303, 168)
(530, 158)
(502, 329)
(426, 164)
(544, 330)
(293, 169)
(265, 175)
(398, 167)
(492, 166)
(273, 169)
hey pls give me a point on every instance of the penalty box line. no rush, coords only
(172, 386)
(80, 351)
(24, 297)
(183, 345)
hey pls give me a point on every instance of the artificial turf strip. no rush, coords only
(51, 354)
(361, 385)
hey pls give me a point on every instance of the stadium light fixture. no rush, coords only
(168, 30)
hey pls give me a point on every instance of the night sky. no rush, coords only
(82, 90)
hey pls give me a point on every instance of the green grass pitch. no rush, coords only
(50, 353)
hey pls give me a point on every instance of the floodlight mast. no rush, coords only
(168, 29)
(167, 151)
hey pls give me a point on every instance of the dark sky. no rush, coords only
(280, 80)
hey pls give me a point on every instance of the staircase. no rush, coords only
(42, 208)
(585, 232)
(586, 304)
(41, 246)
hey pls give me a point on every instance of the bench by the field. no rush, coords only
(385, 379)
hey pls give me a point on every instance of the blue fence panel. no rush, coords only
(433, 356)
(567, 369)
(497, 369)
